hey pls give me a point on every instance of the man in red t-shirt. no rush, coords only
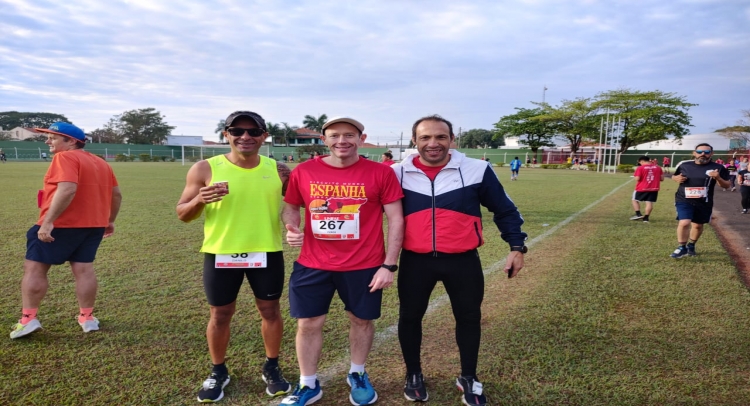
(647, 183)
(78, 207)
(344, 197)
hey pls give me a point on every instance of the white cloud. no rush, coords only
(387, 62)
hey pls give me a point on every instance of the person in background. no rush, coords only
(694, 199)
(743, 177)
(388, 159)
(515, 166)
(648, 177)
(732, 168)
(78, 207)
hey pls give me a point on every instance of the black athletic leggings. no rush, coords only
(745, 191)
(463, 279)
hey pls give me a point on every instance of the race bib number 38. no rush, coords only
(335, 226)
(695, 192)
(242, 260)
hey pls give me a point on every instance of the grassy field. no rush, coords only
(600, 316)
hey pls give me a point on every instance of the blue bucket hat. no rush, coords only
(66, 129)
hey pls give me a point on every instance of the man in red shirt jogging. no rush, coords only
(647, 183)
(343, 251)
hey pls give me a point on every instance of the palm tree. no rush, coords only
(220, 129)
(315, 124)
(274, 130)
(288, 131)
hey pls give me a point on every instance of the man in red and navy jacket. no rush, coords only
(443, 194)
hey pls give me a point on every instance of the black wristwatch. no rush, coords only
(392, 268)
(522, 249)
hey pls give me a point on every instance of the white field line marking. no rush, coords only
(339, 369)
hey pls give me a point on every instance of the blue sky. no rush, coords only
(385, 63)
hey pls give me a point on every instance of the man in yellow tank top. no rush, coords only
(240, 192)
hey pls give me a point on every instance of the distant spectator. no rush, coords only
(732, 168)
(534, 161)
(515, 165)
(388, 159)
(44, 156)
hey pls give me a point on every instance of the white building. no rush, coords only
(717, 140)
(22, 133)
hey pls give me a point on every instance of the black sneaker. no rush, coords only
(472, 391)
(213, 388)
(276, 385)
(414, 389)
(691, 250)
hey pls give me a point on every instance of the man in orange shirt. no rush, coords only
(78, 207)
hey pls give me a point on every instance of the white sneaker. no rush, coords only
(89, 325)
(20, 330)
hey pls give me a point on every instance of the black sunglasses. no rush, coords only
(239, 132)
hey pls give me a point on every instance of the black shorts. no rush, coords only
(223, 285)
(645, 196)
(71, 244)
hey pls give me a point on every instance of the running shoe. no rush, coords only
(645, 221)
(414, 389)
(276, 385)
(20, 330)
(472, 391)
(362, 391)
(213, 388)
(637, 217)
(691, 250)
(680, 252)
(89, 325)
(303, 396)
(744, 211)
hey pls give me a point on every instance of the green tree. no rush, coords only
(313, 123)
(575, 120)
(289, 132)
(276, 133)
(13, 119)
(108, 134)
(143, 126)
(480, 138)
(220, 129)
(739, 132)
(525, 125)
(646, 116)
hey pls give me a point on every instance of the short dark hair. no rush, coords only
(704, 144)
(644, 158)
(388, 154)
(433, 117)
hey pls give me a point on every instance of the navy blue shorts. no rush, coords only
(696, 213)
(71, 244)
(223, 285)
(311, 292)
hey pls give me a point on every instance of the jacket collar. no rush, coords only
(453, 163)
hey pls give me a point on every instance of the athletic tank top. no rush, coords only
(247, 219)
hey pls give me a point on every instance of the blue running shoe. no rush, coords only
(680, 252)
(691, 250)
(362, 391)
(303, 396)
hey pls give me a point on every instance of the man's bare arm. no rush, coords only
(64, 194)
(284, 172)
(394, 212)
(197, 194)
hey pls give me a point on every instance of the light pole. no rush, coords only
(544, 93)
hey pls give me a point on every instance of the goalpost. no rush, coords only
(195, 153)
